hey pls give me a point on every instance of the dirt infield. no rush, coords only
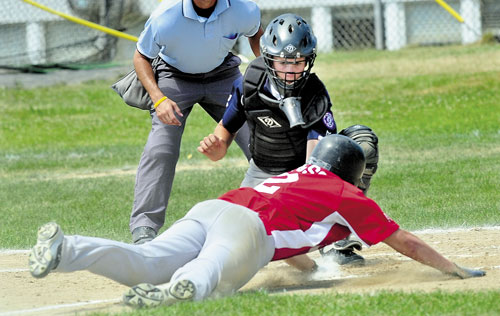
(80, 292)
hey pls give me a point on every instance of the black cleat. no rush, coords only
(143, 234)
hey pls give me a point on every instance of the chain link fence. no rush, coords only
(32, 36)
(390, 24)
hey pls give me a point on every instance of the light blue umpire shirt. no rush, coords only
(194, 44)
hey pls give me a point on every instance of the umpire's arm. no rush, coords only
(166, 109)
(145, 74)
(255, 42)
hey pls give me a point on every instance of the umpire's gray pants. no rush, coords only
(156, 170)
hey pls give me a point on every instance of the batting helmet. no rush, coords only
(340, 155)
(288, 36)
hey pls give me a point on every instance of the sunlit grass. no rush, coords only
(69, 153)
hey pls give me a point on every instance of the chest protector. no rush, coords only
(275, 147)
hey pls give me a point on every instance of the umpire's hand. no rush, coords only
(166, 111)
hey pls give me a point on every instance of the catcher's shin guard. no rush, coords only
(366, 138)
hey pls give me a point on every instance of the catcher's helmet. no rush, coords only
(288, 36)
(340, 155)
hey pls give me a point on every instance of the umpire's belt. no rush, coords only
(227, 69)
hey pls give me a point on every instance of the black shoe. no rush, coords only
(143, 234)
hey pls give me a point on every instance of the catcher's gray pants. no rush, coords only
(218, 245)
(254, 176)
(156, 170)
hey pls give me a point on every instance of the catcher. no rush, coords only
(221, 244)
(288, 110)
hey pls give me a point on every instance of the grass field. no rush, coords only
(68, 153)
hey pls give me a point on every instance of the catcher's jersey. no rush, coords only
(310, 207)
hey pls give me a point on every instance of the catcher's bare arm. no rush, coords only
(215, 145)
(413, 247)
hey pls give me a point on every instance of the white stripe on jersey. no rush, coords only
(296, 239)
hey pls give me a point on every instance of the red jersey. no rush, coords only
(310, 207)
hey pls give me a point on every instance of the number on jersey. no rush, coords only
(271, 185)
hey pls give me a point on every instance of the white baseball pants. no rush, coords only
(218, 245)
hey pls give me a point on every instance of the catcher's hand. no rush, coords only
(213, 147)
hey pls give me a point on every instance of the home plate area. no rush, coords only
(384, 270)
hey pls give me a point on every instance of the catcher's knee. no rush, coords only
(368, 141)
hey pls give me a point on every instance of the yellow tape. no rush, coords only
(84, 22)
(450, 10)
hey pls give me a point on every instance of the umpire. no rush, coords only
(193, 40)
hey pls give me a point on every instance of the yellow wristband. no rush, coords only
(160, 101)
